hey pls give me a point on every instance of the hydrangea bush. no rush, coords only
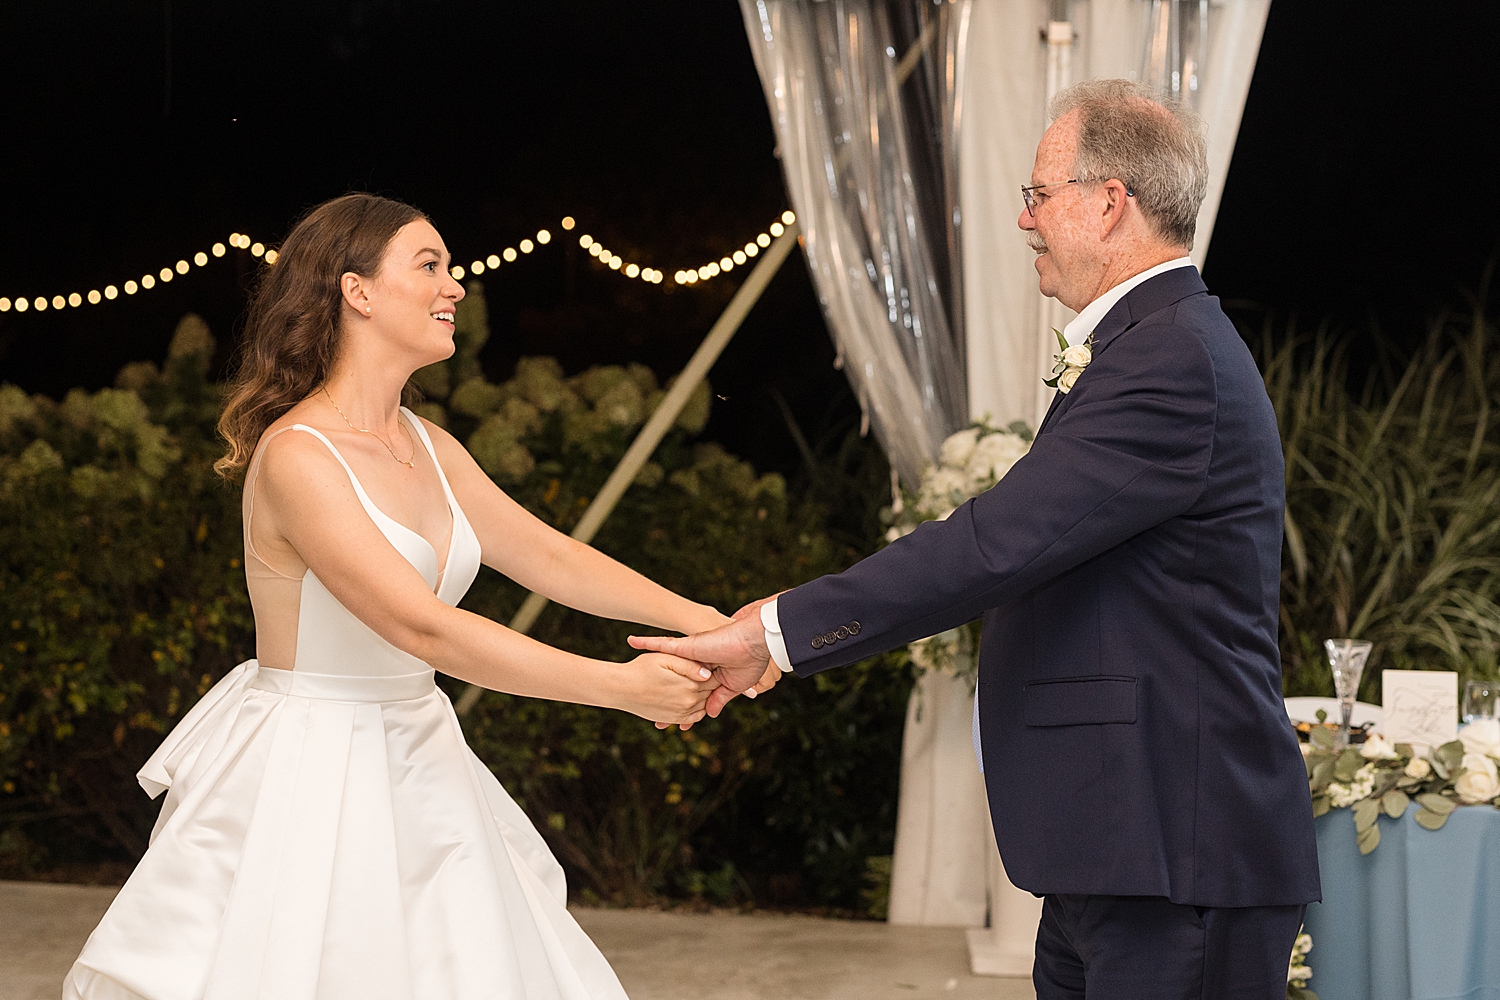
(122, 599)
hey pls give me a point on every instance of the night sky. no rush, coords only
(1358, 185)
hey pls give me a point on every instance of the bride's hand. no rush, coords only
(666, 689)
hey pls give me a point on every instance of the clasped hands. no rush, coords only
(726, 661)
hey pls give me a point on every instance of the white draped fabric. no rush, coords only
(854, 145)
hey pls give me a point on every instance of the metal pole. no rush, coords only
(660, 422)
(697, 368)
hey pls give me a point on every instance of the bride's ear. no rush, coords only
(356, 293)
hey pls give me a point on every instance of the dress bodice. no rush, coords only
(330, 640)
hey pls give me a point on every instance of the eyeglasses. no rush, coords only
(1032, 201)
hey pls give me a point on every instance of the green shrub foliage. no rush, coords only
(122, 599)
(1393, 499)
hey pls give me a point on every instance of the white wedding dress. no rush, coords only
(327, 833)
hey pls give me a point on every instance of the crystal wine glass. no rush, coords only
(1347, 658)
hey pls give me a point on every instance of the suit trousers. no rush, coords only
(1092, 947)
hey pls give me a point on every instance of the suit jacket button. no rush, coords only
(817, 642)
(853, 628)
(829, 638)
(842, 632)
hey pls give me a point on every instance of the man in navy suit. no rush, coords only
(1143, 777)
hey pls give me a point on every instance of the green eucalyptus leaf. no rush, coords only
(1321, 738)
(1322, 774)
(1395, 803)
(1368, 838)
(1436, 803)
(1320, 806)
(1406, 750)
(1348, 764)
(1431, 820)
(1366, 811)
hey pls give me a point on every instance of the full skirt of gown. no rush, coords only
(334, 837)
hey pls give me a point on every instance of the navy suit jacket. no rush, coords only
(1128, 573)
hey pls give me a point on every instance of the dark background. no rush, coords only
(1357, 187)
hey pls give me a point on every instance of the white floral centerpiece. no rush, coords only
(1297, 971)
(1382, 777)
(971, 461)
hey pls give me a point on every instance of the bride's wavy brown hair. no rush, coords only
(293, 332)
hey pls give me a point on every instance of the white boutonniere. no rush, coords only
(1070, 363)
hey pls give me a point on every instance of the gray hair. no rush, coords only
(1156, 148)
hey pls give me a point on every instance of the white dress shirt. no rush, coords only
(1075, 333)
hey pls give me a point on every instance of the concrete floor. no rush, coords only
(657, 955)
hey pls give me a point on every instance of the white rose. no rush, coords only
(1077, 356)
(1481, 737)
(1418, 768)
(1479, 782)
(947, 488)
(1376, 748)
(994, 455)
(1066, 379)
(958, 447)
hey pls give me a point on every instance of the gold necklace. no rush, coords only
(377, 437)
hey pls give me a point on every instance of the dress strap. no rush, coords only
(250, 504)
(376, 514)
(412, 419)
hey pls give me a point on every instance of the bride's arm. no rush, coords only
(306, 505)
(543, 559)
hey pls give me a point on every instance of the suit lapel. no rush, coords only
(1146, 299)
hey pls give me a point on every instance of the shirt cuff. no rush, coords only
(771, 622)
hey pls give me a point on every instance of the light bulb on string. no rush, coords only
(166, 274)
(457, 270)
(776, 229)
(75, 300)
(527, 246)
(788, 217)
(182, 266)
(585, 241)
(148, 282)
(567, 222)
(200, 258)
(477, 267)
(130, 287)
(492, 261)
(272, 256)
(4, 305)
(94, 296)
(22, 305)
(763, 240)
(631, 270)
(111, 292)
(725, 264)
(218, 249)
(258, 249)
(543, 237)
(509, 254)
(39, 304)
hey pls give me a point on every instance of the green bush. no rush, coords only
(1393, 499)
(122, 599)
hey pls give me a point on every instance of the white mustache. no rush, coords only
(1035, 241)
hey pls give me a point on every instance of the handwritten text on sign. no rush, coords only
(1421, 706)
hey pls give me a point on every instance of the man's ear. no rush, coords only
(1116, 204)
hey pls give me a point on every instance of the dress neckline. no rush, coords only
(378, 515)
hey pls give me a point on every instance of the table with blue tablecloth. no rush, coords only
(1417, 919)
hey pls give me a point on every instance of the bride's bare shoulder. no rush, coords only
(293, 463)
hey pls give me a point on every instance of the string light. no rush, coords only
(240, 241)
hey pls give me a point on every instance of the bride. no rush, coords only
(326, 831)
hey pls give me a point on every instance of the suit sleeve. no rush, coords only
(1130, 451)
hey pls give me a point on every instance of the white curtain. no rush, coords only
(868, 147)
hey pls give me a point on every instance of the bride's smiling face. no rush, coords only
(410, 302)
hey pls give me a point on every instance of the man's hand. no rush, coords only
(737, 652)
